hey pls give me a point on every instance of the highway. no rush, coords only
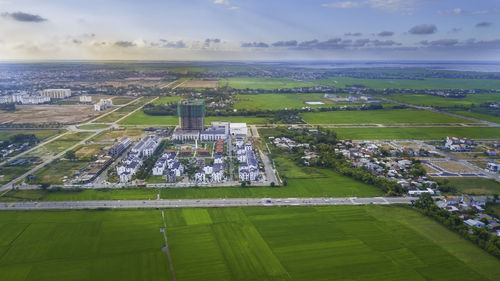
(202, 203)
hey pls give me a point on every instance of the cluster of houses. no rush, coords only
(134, 160)
(13, 148)
(215, 172)
(286, 143)
(367, 155)
(248, 169)
(458, 144)
(462, 207)
(493, 167)
(168, 164)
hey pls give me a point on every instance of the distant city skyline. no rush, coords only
(250, 30)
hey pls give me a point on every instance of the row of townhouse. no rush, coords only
(134, 160)
(458, 144)
(248, 170)
(168, 164)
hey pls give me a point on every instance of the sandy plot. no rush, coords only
(114, 135)
(454, 167)
(39, 114)
(88, 151)
(200, 84)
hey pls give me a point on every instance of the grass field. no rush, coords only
(279, 101)
(324, 243)
(115, 135)
(428, 83)
(60, 144)
(41, 134)
(122, 100)
(423, 133)
(55, 172)
(428, 100)
(114, 116)
(261, 83)
(479, 116)
(141, 119)
(93, 126)
(165, 100)
(475, 185)
(408, 116)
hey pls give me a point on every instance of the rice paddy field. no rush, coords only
(261, 83)
(280, 101)
(480, 116)
(400, 116)
(435, 101)
(418, 84)
(417, 133)
(299, 243)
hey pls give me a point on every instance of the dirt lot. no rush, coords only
(454, 167)
(114, 135)
(200, 84)
(429, 169)
(39, 114)
(88, 151)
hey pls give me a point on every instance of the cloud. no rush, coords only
(24, 17)
(343, 5)
(356, 34)
(209, 41)
(173, 44)
(291, 43)
(385, 33)
(379, 43)
(423, 29)
(254, 45)
(125, 44)
(225, 2)
(77, 42)
(484, 24)
(440, 42)
(455, 30)
(456, 11)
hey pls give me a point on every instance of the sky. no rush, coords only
(250, 30)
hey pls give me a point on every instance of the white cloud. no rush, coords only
(386, 5)
(225, 2)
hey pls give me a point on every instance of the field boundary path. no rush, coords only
(166, 249)
(203, 203)
(133, 111)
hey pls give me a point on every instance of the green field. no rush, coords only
(93, 126)
(423, 133)
(55, 172)
(480, 116)
(435, 101)
(427, 83)
(60, 144)
(139, 118)
(323, 243)
(261, 83)
(475, 185)
(407, 116)
(279, 101)
(165, 100)
(114, 116)
(41, 134)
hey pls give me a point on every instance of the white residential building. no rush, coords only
(56, 93)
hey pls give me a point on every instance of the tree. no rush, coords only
(70, 155)
(424, 201)
(272, 184)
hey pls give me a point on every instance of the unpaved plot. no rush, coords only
(454, 167)
(39, 114)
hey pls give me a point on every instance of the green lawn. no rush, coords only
(139, 118)
(112, 117)
(423, 133)
(427, 83)
(475, 185)
(169, 99)
(300, 243)
(428, 100)
(476, 115)
(408, 116)
(261, 83)
(279, 101)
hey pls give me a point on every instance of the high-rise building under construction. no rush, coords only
(191, 114)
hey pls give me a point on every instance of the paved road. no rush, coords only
(203, 203)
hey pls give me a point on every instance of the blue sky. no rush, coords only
(251, 29)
